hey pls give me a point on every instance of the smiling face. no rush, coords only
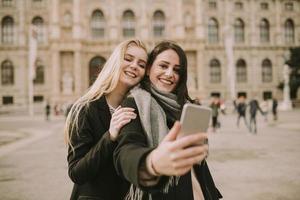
(164, 72)
(133, 66)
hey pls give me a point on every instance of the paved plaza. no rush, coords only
(245, 166)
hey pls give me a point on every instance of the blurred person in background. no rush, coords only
(265, 108)
(253, 108)
(47, 110)
(215, 107)
(95, 120)
(241, 107)
(274, 108)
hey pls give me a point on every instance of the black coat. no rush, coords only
(254, 107)
(132, 150)
(91, 164)
(241, 108)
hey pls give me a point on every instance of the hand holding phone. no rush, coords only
(194, 119)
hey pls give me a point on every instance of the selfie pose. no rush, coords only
(94, 121)
(149, 155)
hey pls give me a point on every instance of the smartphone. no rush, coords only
(194, 119)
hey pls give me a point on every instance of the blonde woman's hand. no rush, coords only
(175, 157)
(119, 118)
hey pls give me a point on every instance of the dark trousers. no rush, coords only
(215, 122)
(252, 124)
(238, 120)
(274, 114)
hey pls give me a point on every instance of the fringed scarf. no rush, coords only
(154, 110)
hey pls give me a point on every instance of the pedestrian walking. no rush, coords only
(274, 109)
(215, 107)
(95, 120)
(223, 107)
(234, 102)
(47, 111)
(265, 108)
(56, 110)
(241, 110)
(253, 108)
(158, 165)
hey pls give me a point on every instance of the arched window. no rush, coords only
(239, 31)
(95, 67)
(266, 71)
(38, 22)
(215, 71)
(241, 71)
(213, 31)
(7, 73)
(39, 73)
(7, 26)
(128, 24)
(158, 24)
(98, 24)
(264, 28)
(289, 31)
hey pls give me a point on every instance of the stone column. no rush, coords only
(286, 103)
(77, 73)
(54, 23)
(201, 73)
(199, 20)
(278, 31)
(179, 27)
(229, 52)
(144, 26)
(55, 83)
(254, 36)
(113, 27)
(76, 20)
(21, 31)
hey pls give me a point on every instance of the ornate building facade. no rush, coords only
(237, 46)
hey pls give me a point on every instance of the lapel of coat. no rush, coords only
(104, 113)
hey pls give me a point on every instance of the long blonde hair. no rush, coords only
(105, 83)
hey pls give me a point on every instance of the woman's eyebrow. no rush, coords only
(132, 56)
(127, 54)
(166, 62)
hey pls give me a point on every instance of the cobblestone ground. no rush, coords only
(245, 166)
(33, 167)
(263, 166)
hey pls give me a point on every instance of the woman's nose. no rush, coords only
(169, 72)
(133, 65)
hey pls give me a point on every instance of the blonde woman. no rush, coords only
(94, 122)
